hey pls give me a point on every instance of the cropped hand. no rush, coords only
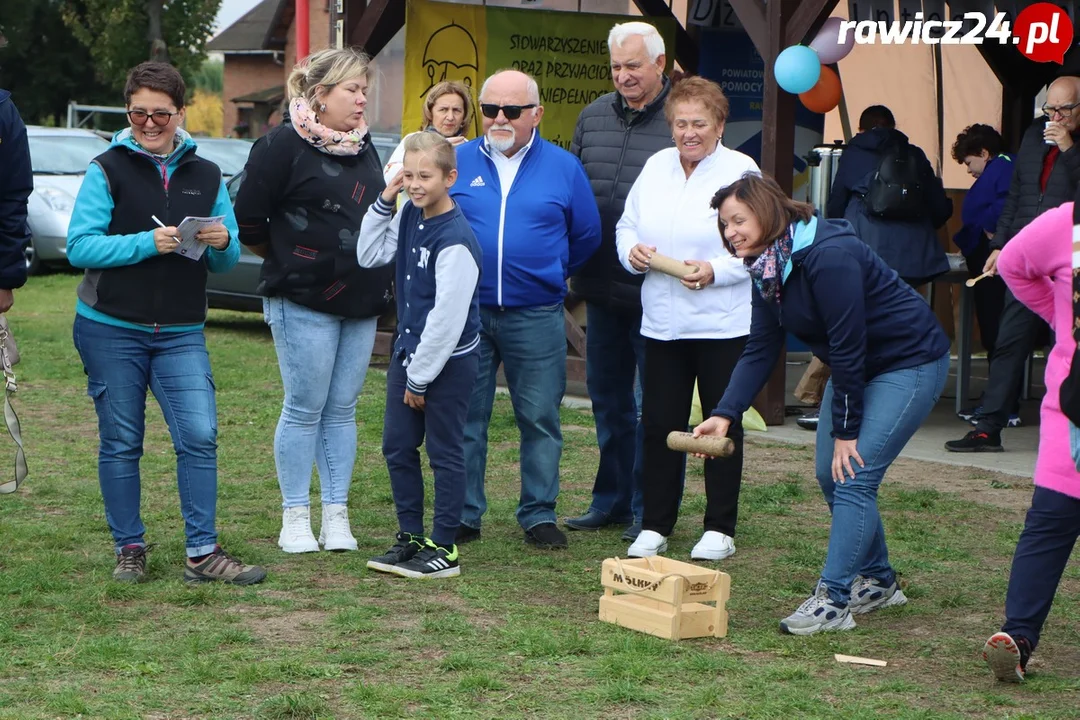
(843, 451)
(389, 195)
(216, 236)
(165, 239)
(640, 255)
(714, 426)
(416, 402)
(991, 263)
(701, 279)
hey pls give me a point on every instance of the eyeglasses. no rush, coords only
(1063, 110)
(512, 112)
(161, 118)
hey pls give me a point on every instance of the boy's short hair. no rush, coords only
(974, 139)
(435, 147)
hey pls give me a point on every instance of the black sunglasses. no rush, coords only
(161, 118)
(512, 112)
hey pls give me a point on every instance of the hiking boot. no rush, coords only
(868, 595)
(335, 533)
(546, 536)
(976, 441)
(219, 567)
(1007, 657)
(296, 535)
(404, 549)
(131, 563)
(817, 614)
(433, 561)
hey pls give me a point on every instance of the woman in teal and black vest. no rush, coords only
(140, 314)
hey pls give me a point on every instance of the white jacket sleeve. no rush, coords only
(626, 236)
(378, 241)
(729, 270)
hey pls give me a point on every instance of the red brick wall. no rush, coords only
(244, 74)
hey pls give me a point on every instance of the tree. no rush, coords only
(122, 33)
(43, 65)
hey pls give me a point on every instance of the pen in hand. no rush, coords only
(161, 224)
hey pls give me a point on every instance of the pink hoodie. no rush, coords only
(1037, 266)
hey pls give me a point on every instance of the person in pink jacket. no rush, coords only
(1037, 266)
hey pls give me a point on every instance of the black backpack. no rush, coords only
(895, 190)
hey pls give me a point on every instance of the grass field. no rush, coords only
(517, 634)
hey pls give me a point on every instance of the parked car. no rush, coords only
(229, 154)
(236, 289)
(59, 158)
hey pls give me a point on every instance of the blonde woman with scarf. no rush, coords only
(309, 183)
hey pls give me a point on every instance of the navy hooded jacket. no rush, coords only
(910, 247)
(852, 310)
(984, 202)
(16, 184)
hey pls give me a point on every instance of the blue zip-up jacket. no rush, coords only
(852, 310)
(536, 235)
(90, 246)
(16, 184)
(984, 202)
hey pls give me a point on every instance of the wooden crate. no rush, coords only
(665, 597)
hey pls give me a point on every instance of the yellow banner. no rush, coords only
(565, 51)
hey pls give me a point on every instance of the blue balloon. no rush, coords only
(797, 69)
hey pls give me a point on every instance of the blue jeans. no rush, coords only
(441, 428)
(895, 404)
(323, 360)
(530, 343)
(615, 358)
(120, 365)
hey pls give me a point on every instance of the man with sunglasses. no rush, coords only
(532, 210)
(1046, 174)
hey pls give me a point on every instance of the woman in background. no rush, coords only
(448, 111)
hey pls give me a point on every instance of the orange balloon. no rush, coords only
(825, 95)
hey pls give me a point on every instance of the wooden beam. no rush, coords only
(686, 50)
(378, 24)
(807, 19)
(751, 14)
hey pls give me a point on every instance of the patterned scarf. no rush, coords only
(331, 142)
(767, 269)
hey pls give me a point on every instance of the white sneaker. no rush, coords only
(648, 543)
(713, 545)
(296, 534)
(335, 533)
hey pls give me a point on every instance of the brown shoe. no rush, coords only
(218, 566)
(131, 564)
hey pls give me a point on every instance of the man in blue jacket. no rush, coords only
(909, 246)
(979, 149)
(16, 184)
(531, 207)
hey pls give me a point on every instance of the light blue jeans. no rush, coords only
(895, 404)
(323, 360)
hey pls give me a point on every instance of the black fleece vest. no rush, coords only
(165, 289)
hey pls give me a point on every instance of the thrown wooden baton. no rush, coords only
(671, 266)
(706, 445)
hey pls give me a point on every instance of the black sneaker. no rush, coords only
(546, 536)
(466, 534)
(131, 563)
(971, 414)
(404, 549)
(976, 441)
(809, 421)
(433, 561)
(1007, 656)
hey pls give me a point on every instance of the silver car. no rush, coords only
(59, 158)
(229, 154)
(235, 290)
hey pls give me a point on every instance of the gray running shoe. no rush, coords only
(817, 614)
(868, 595)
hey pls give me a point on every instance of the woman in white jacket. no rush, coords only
(448, 110)
(695, 327)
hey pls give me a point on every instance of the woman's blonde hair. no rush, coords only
(447, 87)
(325, 69)
(435, 147)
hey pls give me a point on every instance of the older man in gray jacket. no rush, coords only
(614, 137)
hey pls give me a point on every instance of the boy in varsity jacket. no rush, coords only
(435, 356)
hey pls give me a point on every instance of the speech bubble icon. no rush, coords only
(1043, 33)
